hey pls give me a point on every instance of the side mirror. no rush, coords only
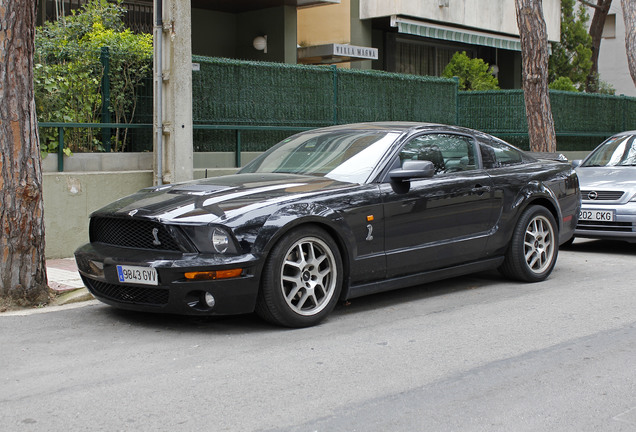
(413, 169)
(576, 163)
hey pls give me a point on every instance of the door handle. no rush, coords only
(479, 189)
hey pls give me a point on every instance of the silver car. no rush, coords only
(608, 190)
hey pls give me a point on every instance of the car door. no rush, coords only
(443, 220)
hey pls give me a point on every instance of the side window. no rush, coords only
(448, 153)
(499, 154)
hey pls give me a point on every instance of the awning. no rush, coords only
(454, 34)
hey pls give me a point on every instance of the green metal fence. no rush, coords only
(249, 106)
(233, 92)
(581, 120)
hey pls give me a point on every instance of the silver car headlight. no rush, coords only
(212, 239)
(220, 240)
(633, 198)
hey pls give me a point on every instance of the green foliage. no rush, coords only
(597, 85)
(473, 74)
(571, 57)
(68, 73)
(564, 84)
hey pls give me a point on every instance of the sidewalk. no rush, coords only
(65, 281)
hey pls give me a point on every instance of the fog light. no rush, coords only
(209, 299)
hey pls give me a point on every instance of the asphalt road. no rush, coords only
(474, 353)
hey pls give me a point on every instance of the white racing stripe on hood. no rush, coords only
(222, 198)
(184, 210)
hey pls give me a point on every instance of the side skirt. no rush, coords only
(422, 278)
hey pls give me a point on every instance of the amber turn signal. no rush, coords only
(212, 275)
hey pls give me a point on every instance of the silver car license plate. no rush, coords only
(137, 275)
(597, 215)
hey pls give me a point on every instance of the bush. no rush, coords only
(473, 74)
(68, 73)
(563, 83)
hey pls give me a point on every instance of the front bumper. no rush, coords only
(622, 228)
(97, 264)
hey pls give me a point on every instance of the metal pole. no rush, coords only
(60, 150)
(237, 155)
(158, 87)
(456, 79)
(105, 59)
(334, 70)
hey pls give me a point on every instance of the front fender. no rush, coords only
(287, 218)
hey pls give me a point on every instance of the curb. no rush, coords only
(72, 296)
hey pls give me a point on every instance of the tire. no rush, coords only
(534, 246)
(302, 279)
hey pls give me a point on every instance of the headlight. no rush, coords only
(633, 198)
(211, 239)
(220, 240)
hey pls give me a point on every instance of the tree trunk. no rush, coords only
(629, 16)
(22, 268)
(534, 58)
(596, 31)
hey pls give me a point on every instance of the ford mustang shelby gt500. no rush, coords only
(332, 214)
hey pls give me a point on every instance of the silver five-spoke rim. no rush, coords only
(539, 244)
(308, 276)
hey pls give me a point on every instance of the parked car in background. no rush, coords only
(608, 190)
(332, 214)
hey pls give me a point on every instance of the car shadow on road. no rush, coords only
(234, 324)
(602, 247)
(251, 323)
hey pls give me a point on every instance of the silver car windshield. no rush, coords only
(348, 156)
(616, 151)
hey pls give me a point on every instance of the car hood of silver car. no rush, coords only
(607, 178)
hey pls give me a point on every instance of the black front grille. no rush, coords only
(132, 233)
(128, 294)
(601, 195)
(605, 226)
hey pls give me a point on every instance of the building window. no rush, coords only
(609, 30)
(419, 58)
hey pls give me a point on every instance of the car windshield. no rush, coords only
(348, 156)
(616, 151)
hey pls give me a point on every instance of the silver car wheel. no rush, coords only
(539, 244)
(308, 276)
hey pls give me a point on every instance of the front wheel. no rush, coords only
(534, 246)
(302, 279)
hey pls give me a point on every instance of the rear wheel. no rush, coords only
(534, 247)
(302, 279)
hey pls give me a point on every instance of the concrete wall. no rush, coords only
(85, 162)
(92, 180)
(324, 25)
(70, 197)
(211, 31)
(278, 24)
(490, 15)
(220, 34)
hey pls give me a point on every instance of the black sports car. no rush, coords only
(331, 214)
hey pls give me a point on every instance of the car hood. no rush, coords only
(607, 178)
(220, 199)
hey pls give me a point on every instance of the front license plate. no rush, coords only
(138, 275)
(597, 215)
